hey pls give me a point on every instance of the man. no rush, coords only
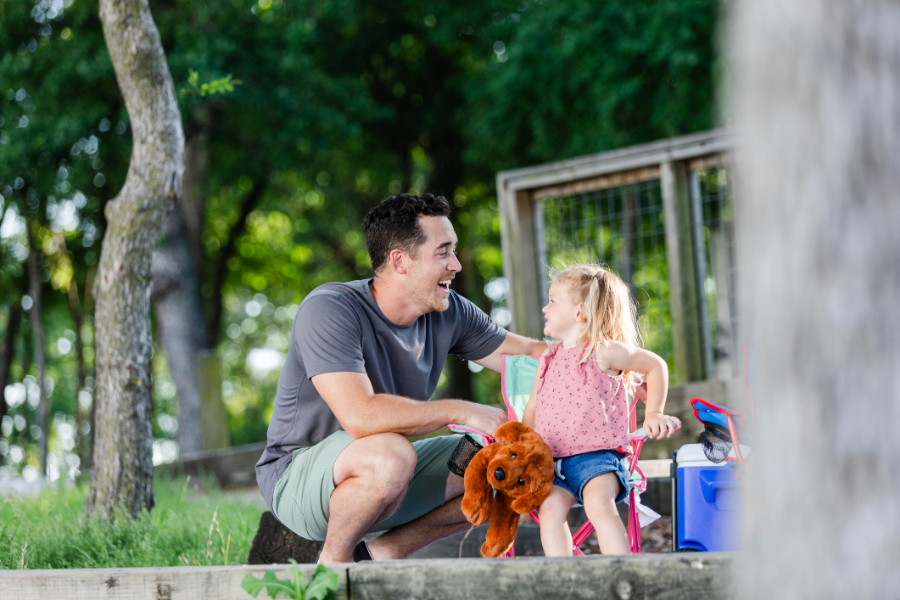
(363, 355)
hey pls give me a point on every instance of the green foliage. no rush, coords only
(340, 104)
(322, 586)
(64, 143)
(593, 76)
(222, 85)
(190, 525)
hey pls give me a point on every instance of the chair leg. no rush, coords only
(580, 536)
(634, 524)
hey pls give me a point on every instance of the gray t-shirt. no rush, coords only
(339, 328)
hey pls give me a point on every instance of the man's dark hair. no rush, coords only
(395, 224)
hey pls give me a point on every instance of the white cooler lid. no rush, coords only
(691, 455)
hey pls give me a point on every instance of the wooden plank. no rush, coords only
(656, 468)
(214, 421)
(518, 241)
(683, 296)
(168, 583)
(662, 576)
(705, 162)
(233, 467)
(695, 576)
(623, 159)
(602, 182)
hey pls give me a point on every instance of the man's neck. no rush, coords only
(393, 303)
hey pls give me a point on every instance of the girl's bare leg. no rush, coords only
(556, 537)
(600, 506)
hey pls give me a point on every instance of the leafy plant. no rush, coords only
(322, 586)
(219, 86)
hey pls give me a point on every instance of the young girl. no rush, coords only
(579, 402)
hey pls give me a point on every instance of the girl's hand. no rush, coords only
(658, 425)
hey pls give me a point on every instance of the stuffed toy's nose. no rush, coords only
(499, 475)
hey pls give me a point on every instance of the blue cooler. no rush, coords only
(707, 502)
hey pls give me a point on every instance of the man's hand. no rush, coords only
(484, 418)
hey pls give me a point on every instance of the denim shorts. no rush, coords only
(573, 472)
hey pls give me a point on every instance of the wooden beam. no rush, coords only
(694, 576)
(625, 159)
(669, 576)
(684, 295)
(520, 258)
(165, 583)
(214, 419)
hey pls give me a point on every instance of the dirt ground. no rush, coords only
(655, 538)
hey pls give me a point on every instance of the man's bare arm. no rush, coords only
(362, 412)
(513, 344)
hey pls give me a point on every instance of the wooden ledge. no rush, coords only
(695, 576)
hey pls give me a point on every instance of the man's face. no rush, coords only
(434, 266)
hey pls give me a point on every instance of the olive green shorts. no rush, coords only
(303, 493)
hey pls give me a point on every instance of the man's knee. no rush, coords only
(394, 458)
(385, 460)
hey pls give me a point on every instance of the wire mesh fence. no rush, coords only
(623, 226)
(711, 193)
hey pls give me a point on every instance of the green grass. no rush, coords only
(191, 525)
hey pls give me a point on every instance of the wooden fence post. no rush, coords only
(213, 418)
(684, 295)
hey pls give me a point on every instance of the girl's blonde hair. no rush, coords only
(609, 311)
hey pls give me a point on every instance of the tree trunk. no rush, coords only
(37, 327)
(82, 418)
(220, 265)
(196, 167)
(443, 180)
(9, 348)
(459, 376)
(14, 298)
(179, 322)
(817, 103)
(122, 465)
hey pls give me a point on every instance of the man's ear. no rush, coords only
(397, 261)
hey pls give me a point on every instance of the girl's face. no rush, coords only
(562, 317)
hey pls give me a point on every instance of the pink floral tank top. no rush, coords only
(579, 407)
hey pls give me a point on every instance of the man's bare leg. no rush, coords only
(371, 477)
(442, 522)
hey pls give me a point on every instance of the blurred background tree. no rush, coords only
(338, 105)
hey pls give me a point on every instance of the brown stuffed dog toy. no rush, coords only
(519, 466)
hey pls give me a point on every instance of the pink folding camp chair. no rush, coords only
(517, 375)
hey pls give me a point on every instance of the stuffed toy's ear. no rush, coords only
(540, 475)
(501, 533)
(479, 495)
(514, 431)
(528, 503)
